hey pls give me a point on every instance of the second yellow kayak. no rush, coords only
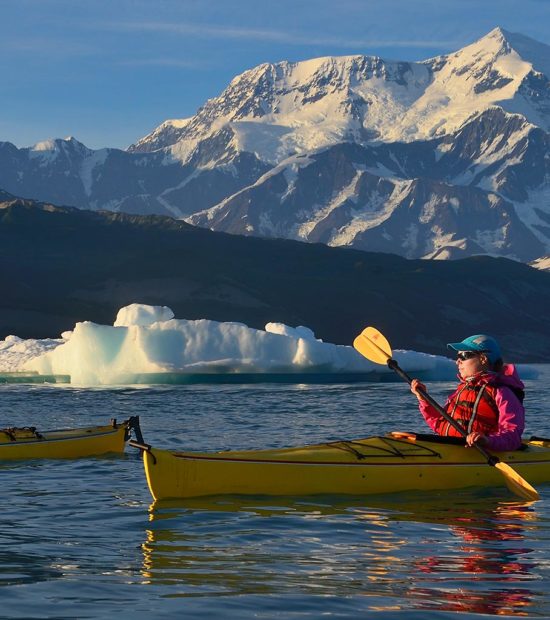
(28, 443)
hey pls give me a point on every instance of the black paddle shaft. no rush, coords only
(491, 459)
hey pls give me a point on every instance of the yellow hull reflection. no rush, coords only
(238, 545)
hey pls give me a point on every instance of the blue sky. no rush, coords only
(109, 71)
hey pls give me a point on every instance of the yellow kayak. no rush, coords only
(28, 443)
(385, 464)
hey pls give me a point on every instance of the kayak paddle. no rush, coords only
(374, 346)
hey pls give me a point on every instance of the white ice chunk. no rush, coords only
(292, 332)
(15, 352)
(141, 314)
(146, 339)
(101, 354)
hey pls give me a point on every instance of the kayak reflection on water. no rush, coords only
(466, 553)
(490, 548)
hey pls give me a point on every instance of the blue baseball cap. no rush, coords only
(480, 343)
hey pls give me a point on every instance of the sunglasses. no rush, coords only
(467, 355)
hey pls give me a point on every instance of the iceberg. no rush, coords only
(146, 344)
(15, 351)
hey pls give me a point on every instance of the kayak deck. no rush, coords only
(382, 464)
(28, 443)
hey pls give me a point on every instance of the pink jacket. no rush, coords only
(511, 419)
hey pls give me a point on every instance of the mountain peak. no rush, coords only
(275, 110)
(57, 144)
(534, 52)
(51, 149)
(498, 33)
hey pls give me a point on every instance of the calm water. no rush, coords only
(80, 539)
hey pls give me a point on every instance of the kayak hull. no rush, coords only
(374, 465)
(27, 443)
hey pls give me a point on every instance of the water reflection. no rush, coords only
(487, 567)
(253, 545)
(473, 557)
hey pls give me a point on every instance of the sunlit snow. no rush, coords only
(542, 263)
(276, 110)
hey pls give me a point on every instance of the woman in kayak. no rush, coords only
(488, 400)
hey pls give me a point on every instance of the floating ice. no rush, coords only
(293, 332)
(15, 352)
(147, 341)
(101, 354)
(140, 314)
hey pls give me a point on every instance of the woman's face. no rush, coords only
(470, 363)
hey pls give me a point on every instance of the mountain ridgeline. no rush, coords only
(443, 158)
(63, 265)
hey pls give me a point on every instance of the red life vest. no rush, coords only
(473, 406)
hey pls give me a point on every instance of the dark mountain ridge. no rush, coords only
(60, 265)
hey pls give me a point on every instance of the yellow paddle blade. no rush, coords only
(516, 483)
(373, 345)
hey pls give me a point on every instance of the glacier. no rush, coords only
(147, 341)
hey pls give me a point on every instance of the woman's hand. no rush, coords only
(415, 386)
(477, 438)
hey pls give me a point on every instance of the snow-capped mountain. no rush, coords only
(441, 158)
(278, 110)
(448, 197)
(65, 172)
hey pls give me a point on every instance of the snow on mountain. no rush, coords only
(439, 198)
(441, 158)
(65, 172)
(542, 263)
(276, 110)
(155, 139)
(489, 72)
